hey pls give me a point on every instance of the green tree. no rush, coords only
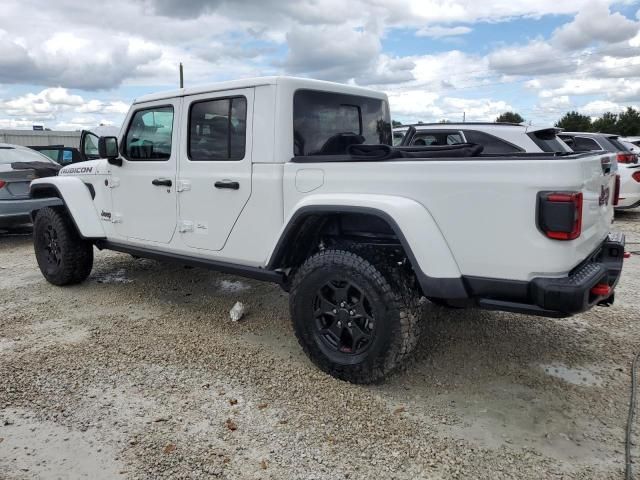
(575, 122)
(395, 123)
(607, 123)
(629, 122)
(510, 117)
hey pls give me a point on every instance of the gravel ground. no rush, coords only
(139, 373)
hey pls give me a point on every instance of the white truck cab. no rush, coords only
(294, 181)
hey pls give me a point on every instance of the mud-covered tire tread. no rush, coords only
(77, 253)
(404, 309)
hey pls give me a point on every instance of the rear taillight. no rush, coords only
(560, 214)
(627, 158)
(2, 183)
(616, 191)
(636, 176)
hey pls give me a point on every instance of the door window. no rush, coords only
(437, 138)
(218, 129)
(584, 144)
(490, 143)
(149, 134)
(90, 146)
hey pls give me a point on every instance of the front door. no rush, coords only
(143, 189)
(214, 175)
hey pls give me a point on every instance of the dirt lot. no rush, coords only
(139, 373)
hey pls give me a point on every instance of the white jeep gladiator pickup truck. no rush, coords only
(294, 181)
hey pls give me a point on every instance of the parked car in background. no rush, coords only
(633, 140)
(18, 166)
(60, 154)
(496, 138)
(628, 166)
(632, 147)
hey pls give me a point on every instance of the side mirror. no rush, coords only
(108, 148)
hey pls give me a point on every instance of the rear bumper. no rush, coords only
(556, 297)
(15, 212)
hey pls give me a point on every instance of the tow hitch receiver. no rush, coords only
(608, 301)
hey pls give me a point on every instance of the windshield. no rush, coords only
(11, 154)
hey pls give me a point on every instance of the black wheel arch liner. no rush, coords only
(449, 288)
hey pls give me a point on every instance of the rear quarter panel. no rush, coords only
(484, 209)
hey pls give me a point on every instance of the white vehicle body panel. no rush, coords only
(483, 212)
(76, 196)
(414, 221)
(629, 187)
(207, 214)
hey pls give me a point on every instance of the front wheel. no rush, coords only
(353, 319)
(63, 256)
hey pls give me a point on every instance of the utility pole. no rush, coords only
(464, 117)
(181, 76)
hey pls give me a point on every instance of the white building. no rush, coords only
(29, 138)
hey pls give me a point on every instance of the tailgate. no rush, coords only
(599, 174)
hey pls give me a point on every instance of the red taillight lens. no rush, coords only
(601, 290)
(636, 176)
(560, 214)
(616, 192)
(627, 158)
(2, 183)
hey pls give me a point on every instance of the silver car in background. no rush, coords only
(18, 166)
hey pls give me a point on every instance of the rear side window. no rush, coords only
(397, 137)
(149, 135)
(218, 129)
(326, 123)
(584, 144)
(437, 138)
(619, 145)
(547, 140)
(490, 143)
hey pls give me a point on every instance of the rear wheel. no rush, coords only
(353, 318)
(63, 256)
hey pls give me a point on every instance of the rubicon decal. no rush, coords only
(75, 170)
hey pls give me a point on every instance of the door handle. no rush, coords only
(228, 184)
(162, 182)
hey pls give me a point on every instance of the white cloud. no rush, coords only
(594, 22)
(535, 58)
(51, 104)
(438, 31)
(598, 107)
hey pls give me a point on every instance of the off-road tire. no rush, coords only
(396, 307)
(63, 256)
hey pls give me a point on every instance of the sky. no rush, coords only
(73, 64)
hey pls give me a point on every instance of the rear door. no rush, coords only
(215, 168)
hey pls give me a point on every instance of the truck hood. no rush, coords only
(91, 167)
